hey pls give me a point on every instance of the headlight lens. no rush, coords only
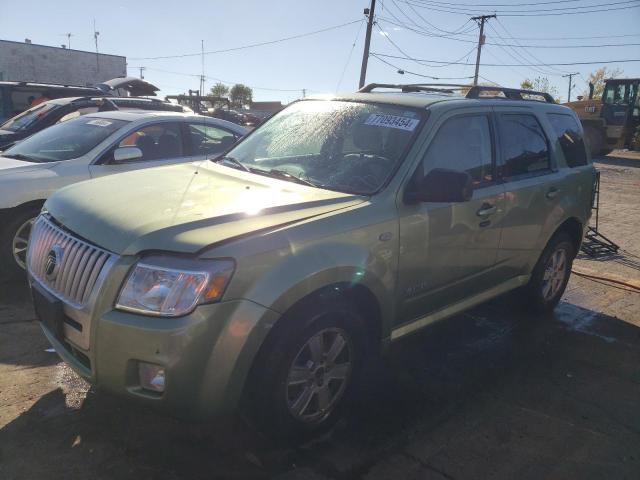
(171, 287)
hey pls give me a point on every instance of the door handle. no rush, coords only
(553, 192)
(486, 209)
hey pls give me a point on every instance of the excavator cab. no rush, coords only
(621, 110)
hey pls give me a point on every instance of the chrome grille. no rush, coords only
(76, 263)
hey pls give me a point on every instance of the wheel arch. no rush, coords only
(574, 228)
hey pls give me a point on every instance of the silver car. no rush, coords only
(91, 146)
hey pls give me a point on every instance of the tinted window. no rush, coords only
(524, 145)
(568, 132)
(157, 142)
(463, 143)
(66, 140)
(209, 140)
(29, 117)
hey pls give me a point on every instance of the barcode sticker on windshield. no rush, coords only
(99, 122)
(392, 121)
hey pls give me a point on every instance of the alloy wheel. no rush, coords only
(20, 243)
(319, 374)
(554, 274)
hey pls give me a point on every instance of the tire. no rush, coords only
(296, 390)
(14, 236)
(551, 274)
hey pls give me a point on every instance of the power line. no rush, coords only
(252, 45)
(353, 46)
(215, 79)
(507, 65)
(528, 13)
(428, 3)
(402, 71)
(500, 4)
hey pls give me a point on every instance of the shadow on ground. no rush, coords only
(491, 393)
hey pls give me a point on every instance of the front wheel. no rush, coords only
(551, 274)
(306, 374)
(14, 240)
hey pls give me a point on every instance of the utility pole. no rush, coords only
(570, 75)
(367, 42)
(95, 37)
(69, 35)
(142, 69)
(202, 75)
(304, 92)
(480, 20)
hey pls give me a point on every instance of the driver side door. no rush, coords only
(161, 143)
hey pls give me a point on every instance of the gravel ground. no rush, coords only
(493, 393)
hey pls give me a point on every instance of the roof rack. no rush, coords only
(416, 87)
(473, 91)
(509, 93)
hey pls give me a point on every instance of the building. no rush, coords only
(27, 62)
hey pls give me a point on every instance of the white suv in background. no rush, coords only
(92, 146)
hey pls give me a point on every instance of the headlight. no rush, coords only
(172, 286)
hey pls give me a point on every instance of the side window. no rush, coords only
(463, 143)
(524, 145)
(209, 140)
(157, 142)
(571, 142)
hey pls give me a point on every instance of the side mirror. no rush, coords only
(127, 154)
(441, 185)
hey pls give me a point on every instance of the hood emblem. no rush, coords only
(52, 262)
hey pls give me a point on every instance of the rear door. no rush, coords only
(161, 143)
(533, 188)
(448, 250)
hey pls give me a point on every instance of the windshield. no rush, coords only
(64, 141)
(346, 146)
(28, 117)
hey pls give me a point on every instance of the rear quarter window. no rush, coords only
(570, 138)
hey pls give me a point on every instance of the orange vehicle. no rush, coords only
(612, 121)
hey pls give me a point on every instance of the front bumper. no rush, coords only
(206, 355)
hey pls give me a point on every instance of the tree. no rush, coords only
(597, 78)
(540, 84)
(240, 95)
(219, 90)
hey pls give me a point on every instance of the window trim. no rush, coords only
(492, 138)
(538, 173)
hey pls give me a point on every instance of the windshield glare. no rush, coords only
(65, 141)
(28, 117)
(345, 146)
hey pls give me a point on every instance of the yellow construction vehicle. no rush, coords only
(612, 121)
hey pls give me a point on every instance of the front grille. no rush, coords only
(65, 265)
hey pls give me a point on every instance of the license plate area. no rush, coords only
(49, 310)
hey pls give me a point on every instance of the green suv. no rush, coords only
(263, 278)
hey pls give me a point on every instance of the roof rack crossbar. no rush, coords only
(509, 93)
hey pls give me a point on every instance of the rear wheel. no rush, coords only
(551, 274)
(14, 240)
(304, 376)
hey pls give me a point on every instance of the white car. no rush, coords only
(91, 146)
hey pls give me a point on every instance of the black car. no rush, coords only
(55, 111)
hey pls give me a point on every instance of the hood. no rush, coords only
(135, 86)
(11, 165)
(185, 208)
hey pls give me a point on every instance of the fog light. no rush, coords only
(151, 377)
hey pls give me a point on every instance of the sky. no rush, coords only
(330, 61)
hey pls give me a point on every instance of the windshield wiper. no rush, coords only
(234, 161)
(283, 175)
(20, 156)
